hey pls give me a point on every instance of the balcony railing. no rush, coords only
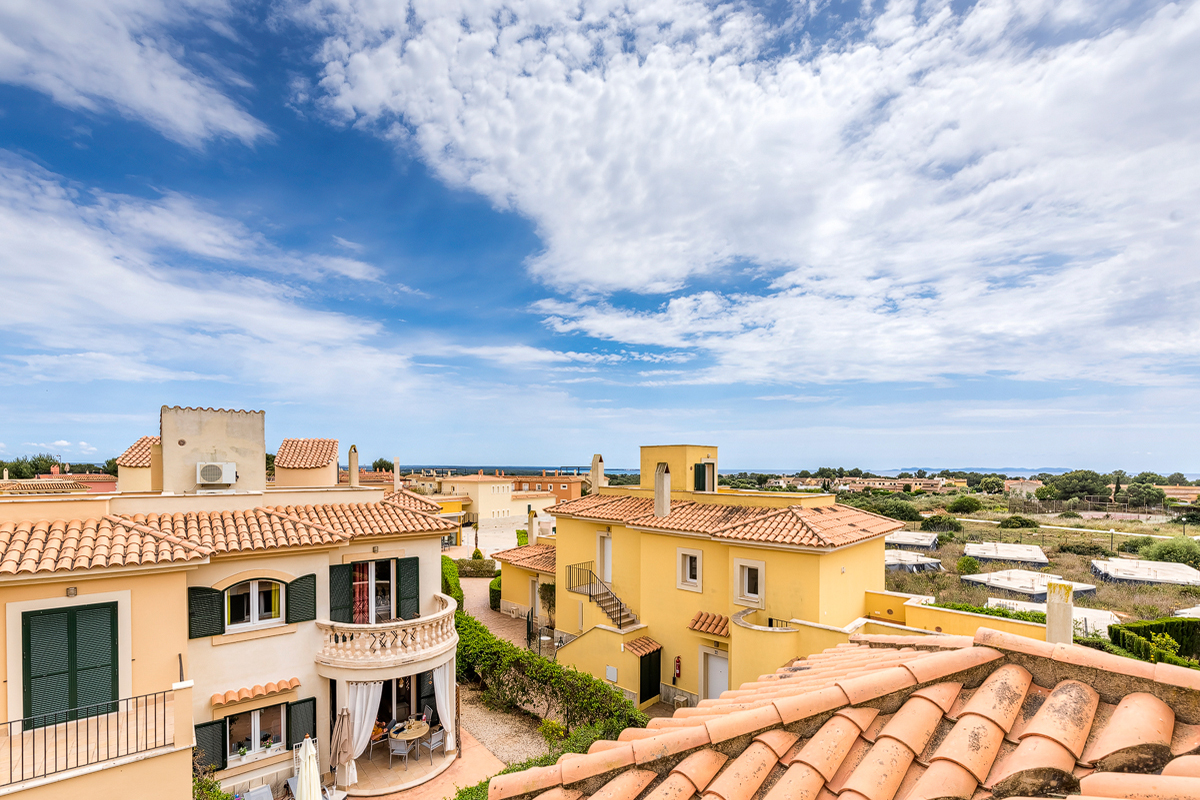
(41, 746)
(389, 644)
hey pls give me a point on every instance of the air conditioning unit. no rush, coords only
(209, 472)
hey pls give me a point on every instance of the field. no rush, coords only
(1126, 601)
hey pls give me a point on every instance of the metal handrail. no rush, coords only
(582, 579)
(46, 744)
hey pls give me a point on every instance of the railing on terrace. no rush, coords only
(391, 643)
(582, 579)
(43, 745)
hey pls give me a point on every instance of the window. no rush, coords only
(689, 569)
(749, 577)
(254, 603)
(539, 487)
(564, 487)
(372, 588)
(255, 731)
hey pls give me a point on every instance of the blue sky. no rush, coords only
(472, 231)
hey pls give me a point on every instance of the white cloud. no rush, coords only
(1012, 190)
(349, 245)
(120, 54)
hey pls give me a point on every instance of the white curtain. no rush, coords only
(443, 693)
(363, 702)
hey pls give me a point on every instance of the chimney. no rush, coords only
(1060, 613)
(354, 465)
(54, 470)
(6, 473)
(395, 474)
(662, 490)
(598, 478)
(543, 473)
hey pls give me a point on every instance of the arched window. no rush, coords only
(256, 602)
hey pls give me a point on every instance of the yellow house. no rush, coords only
(678, 589)
(523, 572)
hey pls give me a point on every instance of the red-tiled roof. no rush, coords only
(715, 624)
(909, 718)
(241, 531)
(371, 519)
(37, 546)
(413, 501)
(811, 526)
(42, 486)
(252, 692)
(642, 646)
(138, 454)
(536, 557)
(306, 453)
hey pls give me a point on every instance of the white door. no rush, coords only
(533, 595)
(716, 675)
(606, 558)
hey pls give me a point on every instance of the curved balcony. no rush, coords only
(399, 643)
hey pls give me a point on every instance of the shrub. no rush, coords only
(967, 566)
(475, 568)
(513, 676)
(1164, 642)
(450, 584)
(494, 593)
(1017, 521)
(1181, 550)
(204, 785)
(1145, 640)
(965, 505)
(522, 538)
(1006, 613)
(477, 555)
(553, 732)
(945, 538)
(1068, 514)
(577, 741)
(941, 522)
(1137, 544)
(1085, 549)
(898, 509)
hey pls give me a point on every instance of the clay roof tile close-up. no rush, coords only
(138, 453)
(714, 624)
(887, 717)
(535, 557)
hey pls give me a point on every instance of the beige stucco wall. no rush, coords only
(209, 435)
(163, 777)
(133, 479)
(152, 623)
(318, 476)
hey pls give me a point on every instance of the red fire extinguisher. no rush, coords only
(677, 665)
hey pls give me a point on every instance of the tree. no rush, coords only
(904, 476)
(1046, 493)
(965, 505)
(110, 466)
(1145, 494)
(381, 465)
(941, 522)
(921, 473)
(43, 462)
(1177, 479)
(898, 509)
(1081, 483)
(1149, 477)
(991, 485)
(1118, 475)
(270, 463)
(1181, 550)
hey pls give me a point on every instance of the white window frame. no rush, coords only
(740, 565)
(255, 623)
(563, 487)
(256, 733)
(681, 579)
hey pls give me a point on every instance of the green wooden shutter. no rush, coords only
(302, 599)
(426, 696)
(210, 744)
(701, 483)
(341, 593)
(47, 670)
(301, 720)
(95, 667)
(408, 575)
(206, 612)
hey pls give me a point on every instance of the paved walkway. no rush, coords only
(475, 603)
(491, 539)
(477, 764)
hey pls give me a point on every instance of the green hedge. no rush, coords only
(1024, 616)
(522, 538)
(514, 676)
(475, 567)
(494, 593)
(450, 584)
(1135, 638)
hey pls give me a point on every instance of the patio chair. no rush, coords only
(380, 739)
(399, 747)
(260, 793)
(436, 739)
(429, 715)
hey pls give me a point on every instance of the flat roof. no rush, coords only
(1003, 551)
(1086, 619)
(906, 560)
(923, 539)
(1025, 581)
(1133, 570)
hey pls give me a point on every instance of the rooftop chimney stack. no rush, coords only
(354, 465)
(395, 474)
(1060, 613)
(662, 490)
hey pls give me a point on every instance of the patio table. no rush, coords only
(415, 730)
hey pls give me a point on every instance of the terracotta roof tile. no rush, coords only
(138, 453)
(536, 557)
(715, 624)
(804, 733)
(411, 500)
(62, 485)
(306, 453)
(37, 546)
(642, 646)
(252, 692)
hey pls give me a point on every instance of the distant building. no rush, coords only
(1022, 487)
(563, 487)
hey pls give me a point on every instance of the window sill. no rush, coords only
(749, 602)
(234, 762)
(254, 633)
(689, 587)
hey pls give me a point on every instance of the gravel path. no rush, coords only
(511, 736)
